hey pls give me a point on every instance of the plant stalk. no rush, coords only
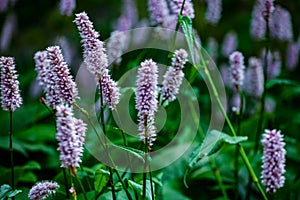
(81, 186)
(11, 151)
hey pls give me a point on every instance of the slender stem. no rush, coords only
(11, 150)
(66, 183)
(74, 195)
(123, 185)
(240, 148)
(177, 25)
(81, 186)
(215, 169)
(264, 94)
(236, 161)
(145, 169)
(151, 182)
(111, 181)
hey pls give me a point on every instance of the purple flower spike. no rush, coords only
(281, 25)
(236, 60)
(10, 92)
(61, 79)
(258, 23)
(254, 78)
(42, 190)
(188, 8)
(66, 7)
(3, 5)
(273, 160)
(213, 45)
(158, 10)
(128, 17)
(173, 77)
(146, 100)
(292, 56)
(110, 91)
(70, 135)
(213, 12)
(267, 7)
(229, 44)
(117, 43)
(8, 30)
(42, 67)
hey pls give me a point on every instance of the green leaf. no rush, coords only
(14, 193)
(187, 28)
(139, 188)
(101, 179)
(4, 191)
(274, 82)
(133, 152)
(32, 165)
(211, 144)
(38, 133)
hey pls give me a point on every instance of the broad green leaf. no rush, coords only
(133, 152)
(32, 165)
(101, 179)
(210, 145)
(274, 82)
(43, 132)
(17, 145)
(28, 177)
(14, 193)
(139, 188)
(4, 191)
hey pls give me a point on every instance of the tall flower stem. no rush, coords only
(215, 169)
(236, 161)
(177, 25)
(11, 150)
(146, 158)
(66, 183)
(81, 186)
(264, 94)
(105, 143)
(240, 148)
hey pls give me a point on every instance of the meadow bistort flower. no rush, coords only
(158, 10)
(281, 24)
(146, 100)
(8, 29)
(258, 23)
(66, 7)
(273, 160)
(70, 135)
(63, 79)
(174, 75)
(10, 92)
(230, 43)
(116, 45)
(254, 80)
(42, 190)
(213, 11)
(93, 49)
(267, 7)
(292, 55)
(188, 8)
(212, 46)
(42, 67)
(110, 91)
(273, 63)
(128, 16)
(237, 66)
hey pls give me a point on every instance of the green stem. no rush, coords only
(145, 169)
(240, 148)
(11, 151)
(151, 182)
(66, 183)
(236, 161)
(111, 181)
(215, 169)
(81, 186)
(177, 25)
(74, 195)
(264, 94)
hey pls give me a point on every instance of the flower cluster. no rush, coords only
(258, 23)
(292, 55)
(273, 160)
(146, 100)
(158, 10)
(236, 60)
(188, 8)
(213, 12)
(42, 190)
(281, 25)
(96, 59)
(61, 79)
(174, 75)
(254, 78)
(213, 45)
(128, 16)
(66, 7)
(267, 7)
(70, 135)
(115, 46)
(42, 67)
(273, 63)
(10, 92)
(8, 29)
(229, 44)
